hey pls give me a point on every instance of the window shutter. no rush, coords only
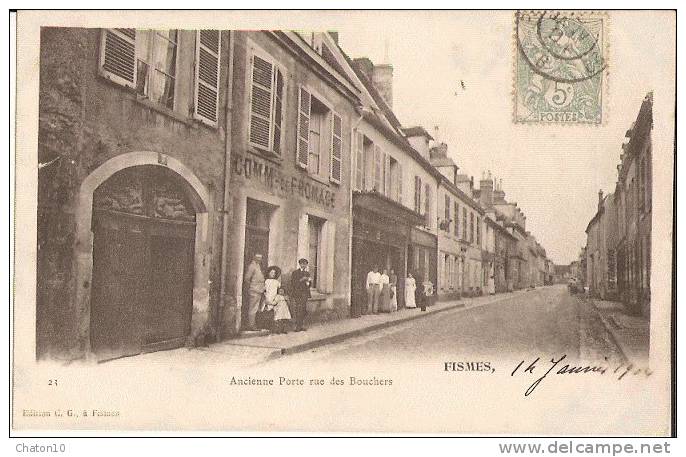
(207, 51)
(304, 111)
(400, 182)
(118, 56)
(261, 103)
(378, 183)
(278, 111)
(387, 175)
(359, 160)
(336, 148)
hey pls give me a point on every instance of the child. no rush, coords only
(275, 299)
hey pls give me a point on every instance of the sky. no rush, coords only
(553, 172)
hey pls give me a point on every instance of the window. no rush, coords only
(319, 130)
(447, 214)
(471, 227)
(314, 226)
(315, 141)
(156, 65)
(427, 203)
(395, 180)
(457, 219)
(378, 169)
(478, 231)
(417, 194)
(266, 103)
(464, 223)
(359, 161)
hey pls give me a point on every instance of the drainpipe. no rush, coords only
(227, 174)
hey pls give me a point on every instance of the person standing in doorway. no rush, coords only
(410, 288)
(254, 284)
(394, 290)
(373, 278)
(384, 292)
(300, 293)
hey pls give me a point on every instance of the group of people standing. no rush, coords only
(382, 292)
(266, 297)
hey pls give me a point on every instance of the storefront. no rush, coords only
(421, 259)
(284, 215)
(382, 238)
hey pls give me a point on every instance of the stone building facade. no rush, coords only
(130, 189)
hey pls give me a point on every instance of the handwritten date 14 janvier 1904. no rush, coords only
(556, 367)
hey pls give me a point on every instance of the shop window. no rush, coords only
(314, 228)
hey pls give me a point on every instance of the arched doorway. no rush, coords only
(144, 231)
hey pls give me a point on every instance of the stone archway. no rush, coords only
(83, 258)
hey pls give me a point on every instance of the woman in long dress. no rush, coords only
(394, 290)
(275, 299)
(385, 295)
(410, 286)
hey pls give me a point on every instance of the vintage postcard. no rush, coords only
(344, 222)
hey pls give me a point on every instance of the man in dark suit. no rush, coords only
(300, 292)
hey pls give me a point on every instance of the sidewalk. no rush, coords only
(319, 334)
(631, 333)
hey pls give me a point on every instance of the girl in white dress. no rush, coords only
(410, 287)
(274, 299)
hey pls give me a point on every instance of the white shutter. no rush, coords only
(378, 182)
(118, 56)
(400, 182)
(261, 99)
(328, 249)
(304, 112)
(207, 68)
(303, 238)
(336, 149)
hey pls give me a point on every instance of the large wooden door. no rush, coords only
(143, 263)
(119, 289)
(168, 311)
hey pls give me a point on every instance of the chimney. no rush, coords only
(381, 77)
(486, 191)
(383, 81)
(499, 193)
(600, 199)
(365, 66)
(439, 151)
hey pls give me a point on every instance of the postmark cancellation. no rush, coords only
(560, 67)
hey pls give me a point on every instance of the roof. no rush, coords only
(378, 99)
(456, 190)
(417, 130)
(443, 162)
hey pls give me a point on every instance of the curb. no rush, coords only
(609, 329)
(354, 333)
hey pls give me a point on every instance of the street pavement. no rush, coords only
(546, 321)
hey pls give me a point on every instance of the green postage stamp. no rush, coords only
(560, 67)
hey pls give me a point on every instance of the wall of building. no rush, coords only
(86, 120)
(294, 195)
